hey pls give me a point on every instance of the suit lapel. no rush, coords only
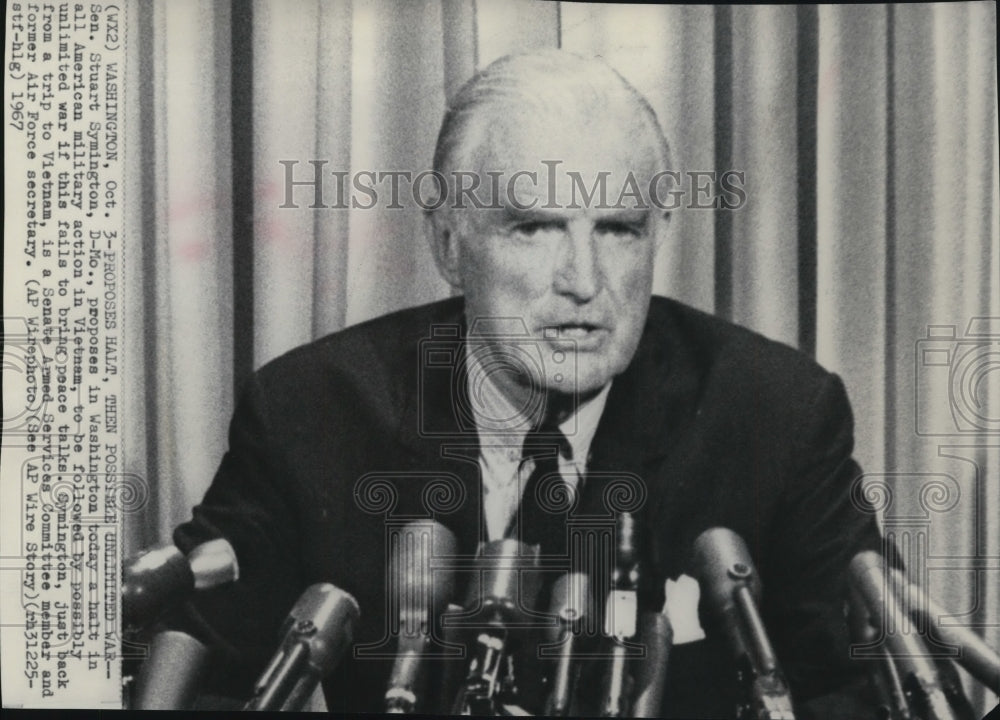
(432, 429)
(650, 406)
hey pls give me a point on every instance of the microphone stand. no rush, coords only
(764, 679)
(621, 616)
(498, 596)
(479, 692)
(730, 582)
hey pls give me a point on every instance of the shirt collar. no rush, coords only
(500, 423)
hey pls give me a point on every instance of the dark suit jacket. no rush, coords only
(724, 428)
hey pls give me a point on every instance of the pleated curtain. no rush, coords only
(869, 237)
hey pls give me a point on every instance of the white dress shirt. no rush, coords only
(502, 428)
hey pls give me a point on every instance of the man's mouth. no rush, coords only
(576, 330)
(578, 335)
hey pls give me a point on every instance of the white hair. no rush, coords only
(546, 83)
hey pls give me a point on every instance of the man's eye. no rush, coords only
(536, 229)
(620, 230)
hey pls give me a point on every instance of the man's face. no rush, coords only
(578, 274)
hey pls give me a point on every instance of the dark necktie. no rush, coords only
(541, 516)
(540, 520)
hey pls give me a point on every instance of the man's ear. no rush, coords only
(445, 245)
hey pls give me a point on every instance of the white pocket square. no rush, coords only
(681, 608)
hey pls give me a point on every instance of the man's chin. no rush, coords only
(582, 388)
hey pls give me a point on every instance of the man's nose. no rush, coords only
(577, 274)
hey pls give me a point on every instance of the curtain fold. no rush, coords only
(286, 49)
(179, 332)
(398, 99)
(652, 47)
(867, 136)
(333, 142)
(765, 147)
(851, 211)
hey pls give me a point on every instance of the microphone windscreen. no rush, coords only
(979, 659)
(722, 563)
(570, 599)
(153, 581)
(423, 587)
(420, 587)
(656, 636)
(315, 635)
(333, 613)
(504, 581)
(169, 678)
(869, 577)
(213, 563)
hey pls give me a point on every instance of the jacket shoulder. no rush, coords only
(740, 362)
(374, 354)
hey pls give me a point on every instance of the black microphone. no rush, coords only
(170, 676)
(980, 660)
(621, 618)
(317, 632)
(422, 592)
(571, 605)
(920, 681)
(503, 589)
(162, 577)
(730, 584)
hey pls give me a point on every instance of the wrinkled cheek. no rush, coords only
(642, 271)
(522, 284)
(503, 291)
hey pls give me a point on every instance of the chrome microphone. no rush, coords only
(422, 591)
(920, 681)
(317, 632)
(163, 577)
(730, 583)
(570, 605)
(980, 660)
(650, 673)
(621, 618)
(883, 677)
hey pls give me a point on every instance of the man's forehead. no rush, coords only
(611, 143)
(546, 162)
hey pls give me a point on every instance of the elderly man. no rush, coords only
(556, 329)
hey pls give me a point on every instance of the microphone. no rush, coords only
(170, 676)
(921, 685)
(621, 617)
(451, 669)
(422, 594)
(162, 577)
(570, 605)
(656, 636)
(732, 588)
(500, 593)
(317, 632)
(980, 660)
(883, 676)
